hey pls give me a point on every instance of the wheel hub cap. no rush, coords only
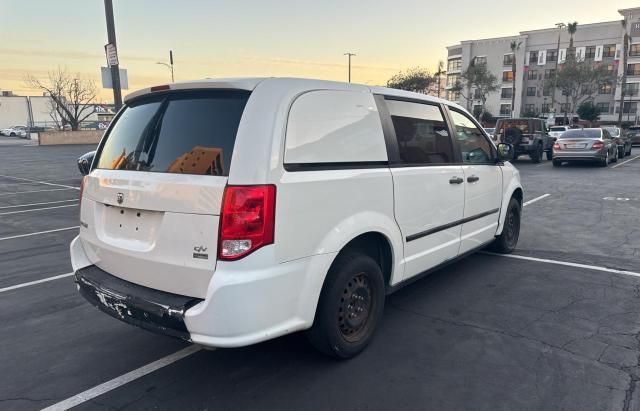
(355, 307)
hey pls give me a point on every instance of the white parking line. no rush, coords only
(35, 191)
(123, 379)
(40, 182)
(35, 204)
(533, 200)
(566, 263)
(625, 162)
(44, 280)
(38, 233)
(38, 209)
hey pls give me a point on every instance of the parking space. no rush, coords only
(557, 331)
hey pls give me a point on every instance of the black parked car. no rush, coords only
(527, 135)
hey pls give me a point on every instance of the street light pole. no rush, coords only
(169, 66)
(115, 71)
(555, 76)
(349, 54)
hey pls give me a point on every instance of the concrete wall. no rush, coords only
(14, 111)
(70, 137)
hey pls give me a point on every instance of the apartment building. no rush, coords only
(539, 57)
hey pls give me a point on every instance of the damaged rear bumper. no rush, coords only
(153, 310)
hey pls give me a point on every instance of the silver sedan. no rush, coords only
(587, 144)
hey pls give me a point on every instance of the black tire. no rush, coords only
(605, 161)
(536, 156)
(620, 152)
(550, 155)
(506, 242)
(614, 158)
(350, 306)
(12, 134)
(557, 163)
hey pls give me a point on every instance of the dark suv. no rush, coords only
(528, 136)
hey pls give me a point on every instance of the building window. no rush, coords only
(610, 68)
(531, 91)
(605, 88)
(481, 61)
(505, 109)
(452, 80)
(633, 70)
(454, 65)
(609, 50)
(632, 89)
(506, 93)
(552, 56)
(634, 50)
(564, 107)
(629, 107)
(507, 60)
(477, 110)
(590, 52)
(477, 95)
(507, 76)
(585, 90)
(533, 57)
(530, 108)
(603, 108)
(550, 73)
(546, 108)
(532, 75)
(546, 90)
(453, 95)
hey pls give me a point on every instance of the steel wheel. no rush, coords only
(355, 308)
(512, 227)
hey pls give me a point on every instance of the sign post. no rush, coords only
(111, 50)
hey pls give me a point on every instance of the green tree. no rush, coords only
(579, 82)
(515, 46)
(414, 79)
(571, 28)
(589, 112)
(625, 58)
(481, 80)
(486, 117)
(438, 75)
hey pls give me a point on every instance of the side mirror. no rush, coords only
(84, 162)
(505, 152)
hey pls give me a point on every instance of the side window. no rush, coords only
(474, 146)
(330, 126)
(422, 133)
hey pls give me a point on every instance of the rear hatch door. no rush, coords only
(151, 205)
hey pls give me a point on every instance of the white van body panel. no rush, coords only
(510, 183)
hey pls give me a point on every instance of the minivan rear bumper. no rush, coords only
(153, 310)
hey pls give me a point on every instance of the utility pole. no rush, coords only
(560, 26)
(115, 71)
(349, 54)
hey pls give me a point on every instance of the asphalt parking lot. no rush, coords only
(555, 326)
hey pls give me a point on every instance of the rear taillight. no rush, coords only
(556, 146)
(247, 220)
(82, 183)
(597, 145)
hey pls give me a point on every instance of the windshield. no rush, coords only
(586, 133)
(522, 125)
(557, 129)
(187, 133)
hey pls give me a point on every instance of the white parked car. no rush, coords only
(15, 131)
(229, 212)
(556, 131)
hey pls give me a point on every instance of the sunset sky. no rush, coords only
(261, 38)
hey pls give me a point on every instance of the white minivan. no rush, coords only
(228, 212)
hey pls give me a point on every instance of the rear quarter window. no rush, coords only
(329, 126)
(177, 132)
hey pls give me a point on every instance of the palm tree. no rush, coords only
(571, 28)
(625, 56)
(515, 46)
(438, 74)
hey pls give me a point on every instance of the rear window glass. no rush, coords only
(183, 133)
(522, 125)
(557, 129)
(581, 134)
(614, 131)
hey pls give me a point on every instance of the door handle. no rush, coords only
(472, 179)
(456, 180)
